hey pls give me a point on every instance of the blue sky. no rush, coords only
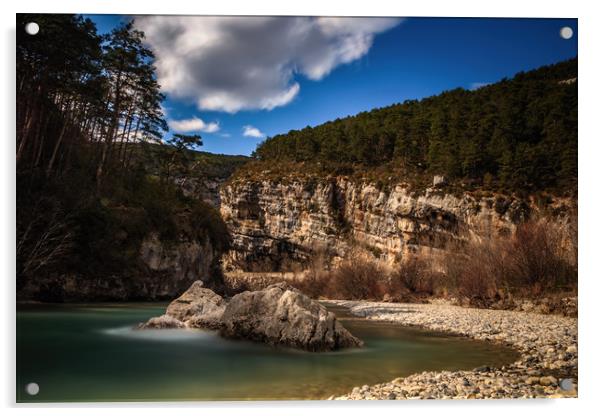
(389, 62)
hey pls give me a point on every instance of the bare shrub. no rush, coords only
(315, 281)
(359, 277)
(472, 275)
(531, 261)
(413, 276)
(539, 259)
(409, 275)
(44, 241)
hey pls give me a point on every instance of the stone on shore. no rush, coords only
(281, 315)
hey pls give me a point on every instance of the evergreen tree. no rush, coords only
(520, 132)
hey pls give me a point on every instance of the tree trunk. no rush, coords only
(55, 150)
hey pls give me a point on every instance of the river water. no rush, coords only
(91, 353)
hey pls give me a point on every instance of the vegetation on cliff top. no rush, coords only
(187, 163)
(516, 134)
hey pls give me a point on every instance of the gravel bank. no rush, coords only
(547, 343)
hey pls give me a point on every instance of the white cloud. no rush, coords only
(230, 63)
(193, 124)
(477, 85)
(250, 131)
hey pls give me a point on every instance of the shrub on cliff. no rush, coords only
(536, 259)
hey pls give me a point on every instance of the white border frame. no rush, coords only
(590, 152)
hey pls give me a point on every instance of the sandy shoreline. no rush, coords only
(547, 344)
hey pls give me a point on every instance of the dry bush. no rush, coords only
(532, 261)
(314, 285)
(535, 260)
(413, 276)
(315, 282)
(539, 259)
(43, 240)
(359, 277)
(473, 270)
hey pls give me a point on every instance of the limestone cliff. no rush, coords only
(277, 223)
(163, 270)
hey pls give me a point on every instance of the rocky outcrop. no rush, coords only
(184, 262)
(281, 315)
(276, 223)
(278, 315)
(164, 270)
(206, 190)
(208, 174)
(198, 307)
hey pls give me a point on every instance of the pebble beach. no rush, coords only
(547, 344)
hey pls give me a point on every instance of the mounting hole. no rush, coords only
(567, 384)
(32, 389)
(566, 32)
(32, 28)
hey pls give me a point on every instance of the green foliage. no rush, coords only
(516, 134)
(179, 155)
(201, 164)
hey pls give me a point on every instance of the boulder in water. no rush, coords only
(277, 315)
(199, 307)
(282, 315)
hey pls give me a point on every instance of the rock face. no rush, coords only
(278, 222)
(198, 307)
(439, 180)
(206, 190)
(164, 271)
(210, 172)
(281, 315)
(278, 315)
(184, 262)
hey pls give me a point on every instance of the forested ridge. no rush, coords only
(518, 134)
(96, 169)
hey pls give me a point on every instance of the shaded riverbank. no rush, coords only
(547, 346)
